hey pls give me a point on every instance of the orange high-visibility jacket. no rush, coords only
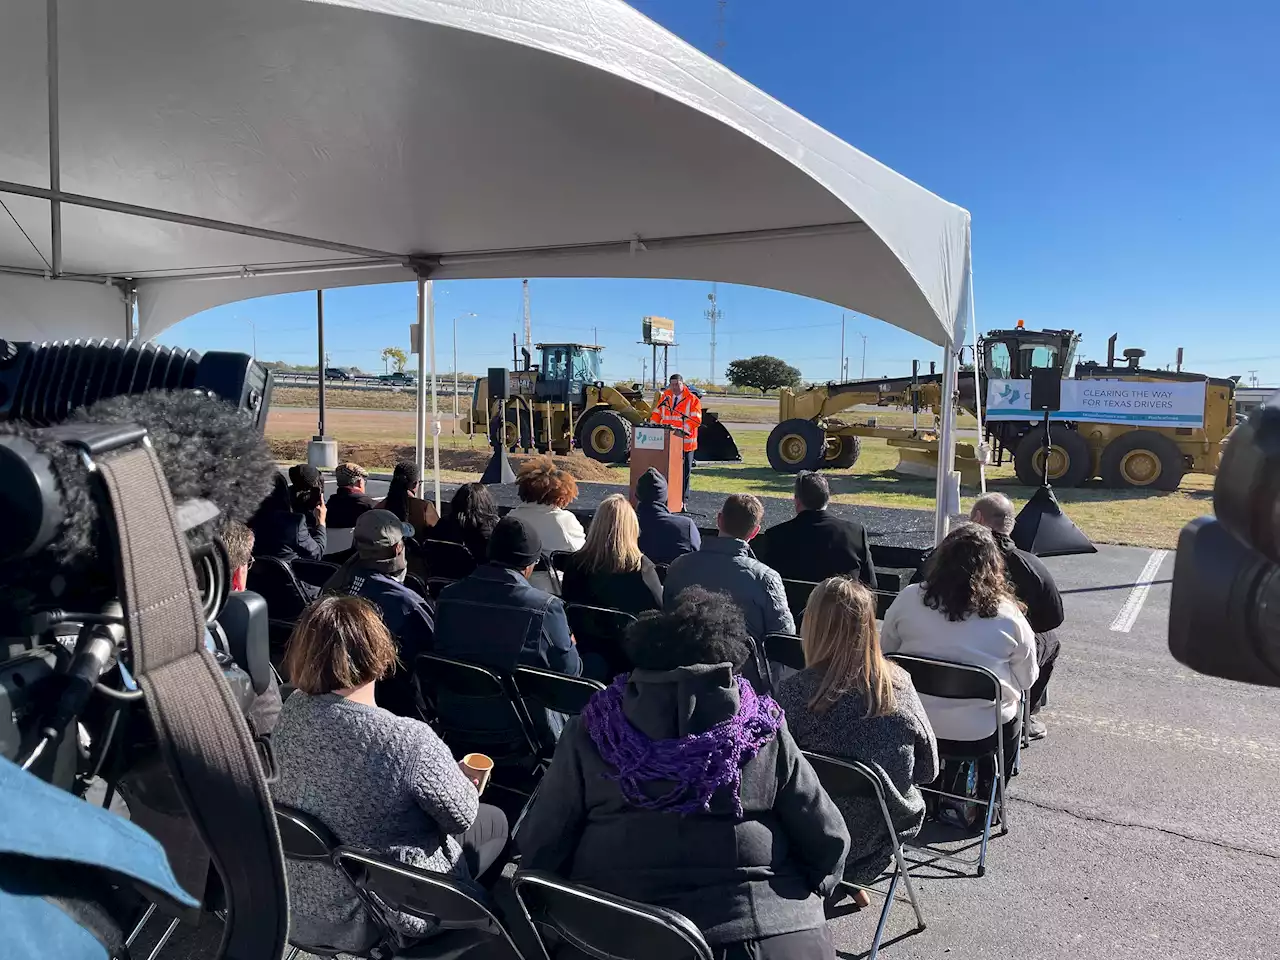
(684, 414)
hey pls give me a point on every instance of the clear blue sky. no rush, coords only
(1121, 159)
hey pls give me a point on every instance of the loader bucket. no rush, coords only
(715, 442)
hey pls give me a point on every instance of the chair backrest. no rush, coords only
(560, 560)
(853, 778)
(303, 837)
(798, 595)
(555, 691)
(600, 631)
(884, 600)
(273, 580)
(662, 569)
(465, 922)
(460, 682)
(604, 926)
(314, 572)
(444, 558)
(339, 539)
(414, 583)
(949, 680)
(784, 648)
(436, 585)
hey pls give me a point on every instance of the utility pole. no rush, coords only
(721, 5)
(528, 325)
(595, 337)
(864, 355)
(713, 315)
(1253, 378)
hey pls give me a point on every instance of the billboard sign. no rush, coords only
(658, 330)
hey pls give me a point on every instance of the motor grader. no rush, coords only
(561, 403)
(818, 429)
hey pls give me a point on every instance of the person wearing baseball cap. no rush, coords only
(350, 500)
(376, 572)
(498, 619)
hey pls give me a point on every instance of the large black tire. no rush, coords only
(606, 436)
(1070, 460)
(1142, 460)
(796, 445)
(842, 451)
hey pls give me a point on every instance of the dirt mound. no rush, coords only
(377, 456)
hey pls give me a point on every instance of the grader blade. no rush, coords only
(919, 458)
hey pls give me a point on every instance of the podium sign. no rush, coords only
(654, 445)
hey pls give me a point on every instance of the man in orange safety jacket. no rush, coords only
(680, 409)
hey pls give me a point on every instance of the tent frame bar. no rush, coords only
(55, 143)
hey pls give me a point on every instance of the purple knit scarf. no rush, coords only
(699, 764)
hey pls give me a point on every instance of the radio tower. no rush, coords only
(528, 324)
(713, 314)
(720, 41)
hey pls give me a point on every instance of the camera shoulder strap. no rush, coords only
(203, 737)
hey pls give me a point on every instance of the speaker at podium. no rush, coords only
(662, 448)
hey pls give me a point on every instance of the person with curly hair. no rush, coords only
(545, 490)
(965, 611)
(680, 786)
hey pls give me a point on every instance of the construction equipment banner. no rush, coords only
(1158, 404)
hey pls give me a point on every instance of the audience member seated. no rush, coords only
(816, 544)
(851, 703)
(376, 572)
(376, 780)
(472, 517)
(726, 564)
(497, 618)
(610, 571)
(663, 535)
(306, 488)
(545, 491)
(965, 611)
(264, 711)
(349, 501)
(281, 533)
(678, 786)
(1035, 589)
(402, 499)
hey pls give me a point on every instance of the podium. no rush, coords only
(658, 446)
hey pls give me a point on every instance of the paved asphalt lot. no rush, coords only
(1147, 825)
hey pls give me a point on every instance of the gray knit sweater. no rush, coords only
(375, 780)
(901, 742)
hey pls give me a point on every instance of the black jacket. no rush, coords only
(288, 536)
(815, 545)
(346, 507)
(629, 592)
(663, 535)
(738, 878)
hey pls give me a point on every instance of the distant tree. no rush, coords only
(395, 355)
(763, 373)
(966, 368)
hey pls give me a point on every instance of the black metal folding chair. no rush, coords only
(884, 600)
(600, 630)
(464, 922)
(851, 778)
(963, 681)
(314, 572)
(445, 559)
(274, 581)
(604, 926)
(797, 596)
(436, 585)
(662, 569)
(783, 656)
(553, 691)
(469, 689)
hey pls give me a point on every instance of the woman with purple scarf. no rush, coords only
(679, 786)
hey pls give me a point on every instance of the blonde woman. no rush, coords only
(609, 570)
(851, 703)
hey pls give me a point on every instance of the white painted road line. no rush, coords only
(1128, 614)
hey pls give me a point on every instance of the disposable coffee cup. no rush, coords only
(477, 768)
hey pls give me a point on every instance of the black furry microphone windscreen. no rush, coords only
(207, 448)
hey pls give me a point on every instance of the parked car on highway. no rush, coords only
(399, 379)
(333, 373)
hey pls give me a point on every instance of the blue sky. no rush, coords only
(1121, 159)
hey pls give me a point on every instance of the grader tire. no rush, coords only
(843, 453)
(606, 437)
(1070, 460)
(1142, 460)
(796, 445)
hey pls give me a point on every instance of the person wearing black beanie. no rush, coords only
(496, 618)
(663, 535)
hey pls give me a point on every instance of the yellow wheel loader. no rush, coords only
(562, 403)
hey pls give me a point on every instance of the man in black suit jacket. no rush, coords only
(816, 545)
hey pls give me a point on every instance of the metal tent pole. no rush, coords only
(435, 410)
(946, 445)
(55, 146)
(320, 349)
(977, 388)
(420, 416)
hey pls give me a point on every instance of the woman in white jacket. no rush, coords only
(965, 611)
(545, 491)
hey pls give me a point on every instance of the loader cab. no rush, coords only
(1013, 354)
(566, 371)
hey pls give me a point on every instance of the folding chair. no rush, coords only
(553, 691)
(274, 581)
(797, 596)
(604, 926)
(851, 778)
(884, 600)
(467, 687)
(415, 584)
(314, 572)
(600, 630)
(963, 681)
(339, 540)
(662, 569)
(465, 923)
(436, 585)
(783, 657)
(446, 559)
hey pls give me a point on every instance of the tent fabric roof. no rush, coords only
(476, 138)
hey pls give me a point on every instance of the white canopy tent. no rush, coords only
(182, 156)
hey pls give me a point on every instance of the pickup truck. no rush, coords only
(398, 379)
